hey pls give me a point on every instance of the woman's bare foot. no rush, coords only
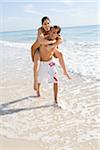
(69, 77)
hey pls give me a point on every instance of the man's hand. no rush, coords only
(59, 39)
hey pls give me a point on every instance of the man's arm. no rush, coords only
(54, 45)
(44, 41)
(58, 41)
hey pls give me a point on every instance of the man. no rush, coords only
(43, 33)
(47, 69)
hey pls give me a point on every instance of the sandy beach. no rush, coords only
(28, 122)
(13, 144)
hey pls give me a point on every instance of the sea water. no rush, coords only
(80, 47)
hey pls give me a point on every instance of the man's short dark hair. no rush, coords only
(57, 27)
(44, 18)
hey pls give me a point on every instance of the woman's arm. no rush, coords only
(44, 41)
(42, 38)
(53, 46)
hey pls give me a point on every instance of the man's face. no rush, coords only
(53, 33)
(46, 25)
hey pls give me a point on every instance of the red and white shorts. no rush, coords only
(47, 72)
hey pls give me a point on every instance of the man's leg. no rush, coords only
(55, 88)
(36, 68)
(38, 90)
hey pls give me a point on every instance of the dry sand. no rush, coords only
(15, 144)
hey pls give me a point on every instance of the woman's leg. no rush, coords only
(36, 68)
(59, 55)
(33, 49)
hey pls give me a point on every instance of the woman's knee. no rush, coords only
(60, 55)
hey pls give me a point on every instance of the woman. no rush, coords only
(43, 33)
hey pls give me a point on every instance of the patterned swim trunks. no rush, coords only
(47, 72)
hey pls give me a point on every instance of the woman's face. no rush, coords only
(46, 25)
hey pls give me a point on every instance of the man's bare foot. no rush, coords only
(55, 104)
(38, 93)
(35, 85)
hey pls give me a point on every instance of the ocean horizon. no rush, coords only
(62, 27)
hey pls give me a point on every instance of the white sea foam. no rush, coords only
(83, 58)
(15, 44)
(80, 57)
